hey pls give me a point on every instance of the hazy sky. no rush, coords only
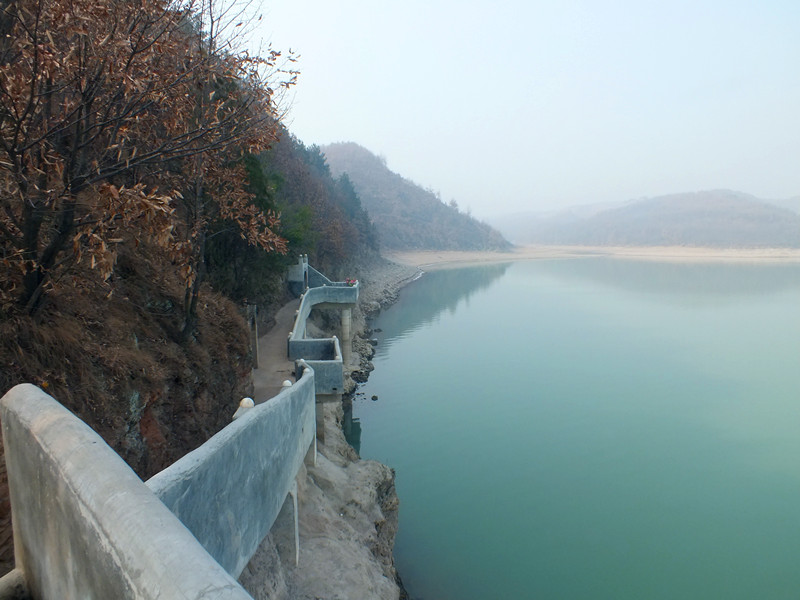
(524, 104)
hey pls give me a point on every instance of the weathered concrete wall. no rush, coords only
(229, 491)
(297, 275)
(316, 279)
(324, 355)
(85, 526)
(335, 296)
(328, 295)
(312, 348)
(336, 293)
(328, 373)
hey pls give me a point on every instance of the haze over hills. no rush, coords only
(405, 215)
(716, 218)
(793, 204)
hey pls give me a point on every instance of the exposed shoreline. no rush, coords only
(444, 259)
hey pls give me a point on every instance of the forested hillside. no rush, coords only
(147, 192)
(405, 215)
(321, 215)
(719, 218)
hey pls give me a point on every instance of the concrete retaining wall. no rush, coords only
(229, 491)
(85, 526)
(328, 372)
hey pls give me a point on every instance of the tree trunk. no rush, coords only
(39, 266)
(198, 257)
(192, 295)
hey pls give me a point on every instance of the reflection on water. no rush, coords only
(593, 428)
(718, 280)
(443, 291)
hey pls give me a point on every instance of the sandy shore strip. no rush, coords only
(434, 259)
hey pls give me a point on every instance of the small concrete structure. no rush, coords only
(302, 276)
(316, 351)
(325, 355)
(297, 276)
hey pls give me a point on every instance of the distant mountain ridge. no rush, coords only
(715, 218)
(405, 215)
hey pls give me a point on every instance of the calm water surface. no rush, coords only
(593, 428)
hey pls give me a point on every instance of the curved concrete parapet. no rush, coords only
(323, 354)
(337, 295)
(329, 295)
(228, 492)
(85, 526)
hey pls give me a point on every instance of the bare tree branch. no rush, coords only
(109, 112)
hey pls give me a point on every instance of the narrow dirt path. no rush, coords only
(273, 365)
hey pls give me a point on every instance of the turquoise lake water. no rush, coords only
(592, 428)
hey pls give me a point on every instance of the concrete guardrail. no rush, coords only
(86, 526)
(229, 491)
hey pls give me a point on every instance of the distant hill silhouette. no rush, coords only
(717, 218)
(793, 204)
(405, 215)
